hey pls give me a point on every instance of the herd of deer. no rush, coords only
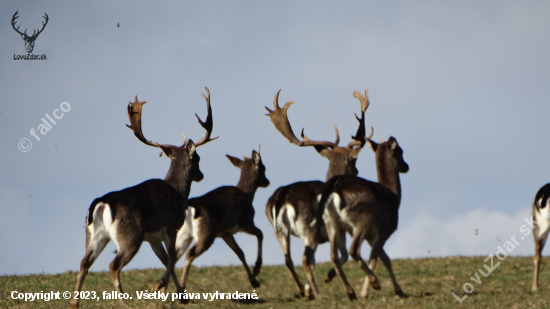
(159, 211)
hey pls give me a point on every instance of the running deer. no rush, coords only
(291, 209)
(152, 211)
(221, 213)
(367, 211)
(541, 226)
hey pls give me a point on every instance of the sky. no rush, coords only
(462, 86)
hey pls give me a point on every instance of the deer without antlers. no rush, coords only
(152, 211)
(221, 213)
(366, 210)
(291, 209)
(29, 40)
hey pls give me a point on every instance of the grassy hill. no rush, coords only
(427, 282)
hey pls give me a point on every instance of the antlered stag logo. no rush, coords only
(29, 40)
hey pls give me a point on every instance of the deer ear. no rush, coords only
(256, 158)
(236, 161)
(166, 150)
(392, 143)
(324, 151)
(373, 145)
(191, 148)
(354, 153)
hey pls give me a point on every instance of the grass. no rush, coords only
(427, 282)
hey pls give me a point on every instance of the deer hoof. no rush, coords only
(184, 301)
(158, 286)
(254, 283)
(401, 294)
(375, 284)
(352, 296)
(330, 275)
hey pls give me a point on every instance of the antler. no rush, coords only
(360, 138)
(43, 25)
(134, 114)
(13, 24)
(280, 120)
(208, 124)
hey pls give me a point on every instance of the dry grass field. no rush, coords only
(427, 282)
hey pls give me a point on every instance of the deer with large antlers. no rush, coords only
(291, 209)
(152, 211)
(367, 211)
(221, 213)
(29, 40)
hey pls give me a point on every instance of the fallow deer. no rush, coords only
(221, 213)
(291, 208)
(541, 226)
(366, 210)
(152, 211)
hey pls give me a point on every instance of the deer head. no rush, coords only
(184, 159)
(252, 172)
(29, 40)
(342, 159)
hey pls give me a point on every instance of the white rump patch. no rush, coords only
(543, 220)
(188, 232)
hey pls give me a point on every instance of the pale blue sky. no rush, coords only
(463, 86)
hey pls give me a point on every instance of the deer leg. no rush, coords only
(376, 250)
(169, 261)
(308, 260)
(343, 253)
(284, 241)
(230, 241)
(158, 248)
(251, 229)
(200, 246)
(355, 252)
(334, 237)
(387, 262)
(124, 255)
(93, 248)
(163, 257)
(539, 245)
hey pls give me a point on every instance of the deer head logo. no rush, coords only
(29, 40)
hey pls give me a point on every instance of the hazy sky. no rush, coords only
(462, 85)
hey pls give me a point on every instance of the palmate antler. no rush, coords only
(280, 120)
(134, 114)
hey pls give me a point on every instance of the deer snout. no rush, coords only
(264, 183)
(198, 176)
(404, 167)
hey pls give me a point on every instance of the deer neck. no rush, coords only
(179, 176)
(248, 185)
(388, 175)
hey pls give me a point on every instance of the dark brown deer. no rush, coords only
(152, 211)
(541, 226)
(367, 211)
(291, 209)
(29, 40)
(221, 213)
